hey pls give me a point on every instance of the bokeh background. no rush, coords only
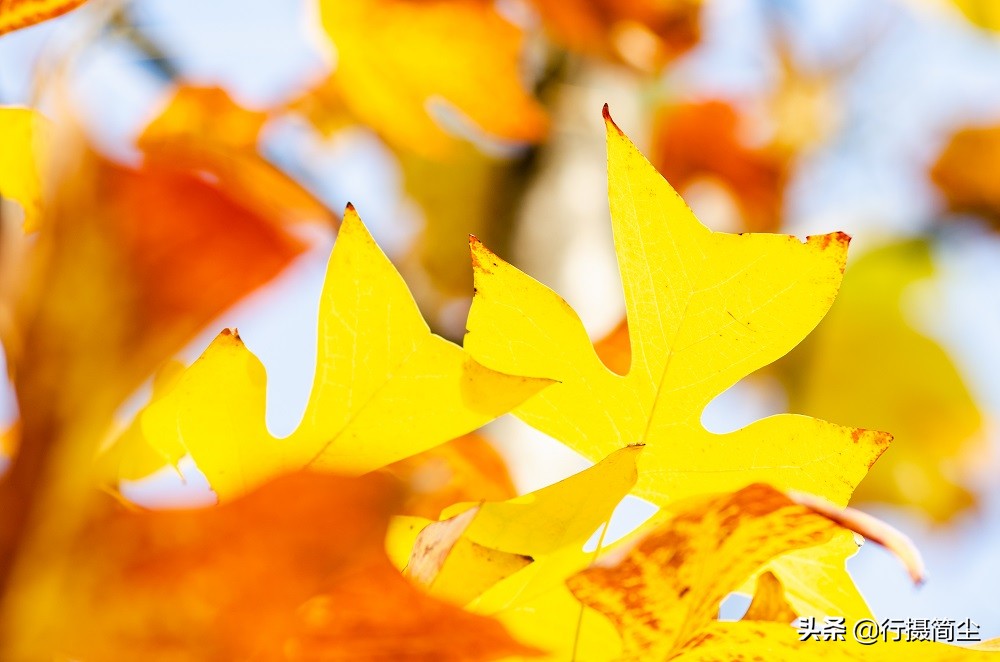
(880, 118)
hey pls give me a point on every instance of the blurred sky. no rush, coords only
(923, 76)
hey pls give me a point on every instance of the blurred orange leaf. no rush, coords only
(295, 571)
(701, 141)
(643, 33)
(201, 129)
(126, 267)
(965, 173)
(17, 14)
(664, 595)
(464, 469)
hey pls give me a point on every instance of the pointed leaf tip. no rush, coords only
(609, 122)
(481, 255)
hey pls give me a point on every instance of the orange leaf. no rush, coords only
(203, 129)
(17, 14)
(701, 141)
(965, 172)
(646, 34)
(295, 570)
(126, 267)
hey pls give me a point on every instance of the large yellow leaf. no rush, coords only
(385, 387)
(293, 571)
(866, 363)
(664, 596)
(23, 140)
(394, 57)
(17, 14)
(705, 309)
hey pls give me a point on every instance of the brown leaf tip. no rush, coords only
(233, 333)
(480, 251)
(349, 209)
(839, 239)
(610, 122)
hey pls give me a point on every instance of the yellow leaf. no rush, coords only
(487, 185)
(984, 13)
(24, 137)
(867, 364)
(17, 14)
(396, 56)
(768, 602)
(671, 584)
(402, 536)
(555, 519)
(131, 456)
(777, 642)
(453, 567)
(705, 309)
(548, 528)
(664, 596)
(385, 387)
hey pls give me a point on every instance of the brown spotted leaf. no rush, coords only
(769, 602)
(664, 595)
